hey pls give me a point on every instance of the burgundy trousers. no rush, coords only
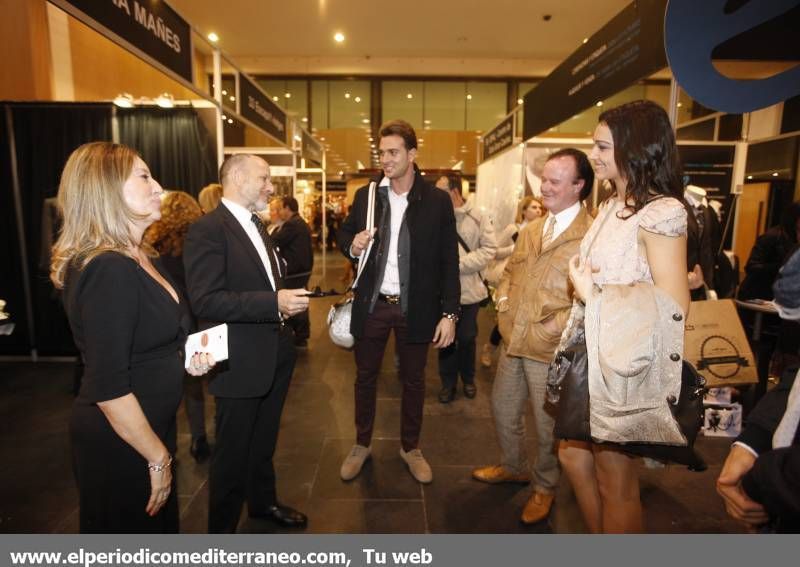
(412, 357)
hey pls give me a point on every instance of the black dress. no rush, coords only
(130, 333)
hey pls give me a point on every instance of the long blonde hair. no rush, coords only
(96, 217)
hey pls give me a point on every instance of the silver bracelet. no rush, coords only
(159, 467)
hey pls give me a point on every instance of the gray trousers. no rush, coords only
(519, 379)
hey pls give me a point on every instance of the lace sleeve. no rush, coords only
(665, 216)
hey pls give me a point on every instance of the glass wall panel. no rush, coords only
(445, 105)
(348, 104)
(319, 104)
(403, 99)
(292, 96)
(486, 105)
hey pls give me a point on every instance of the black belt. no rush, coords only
(390, 299)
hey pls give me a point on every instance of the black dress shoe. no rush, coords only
(470, 390)
(285, 516)
(200, 450)
(447, 395)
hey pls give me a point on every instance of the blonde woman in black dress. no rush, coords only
(129, 324)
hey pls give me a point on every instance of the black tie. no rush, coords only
(271, 253)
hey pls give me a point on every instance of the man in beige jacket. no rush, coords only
(534, 301)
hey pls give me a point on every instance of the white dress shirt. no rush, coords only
(245, 219)
(397, 205)
(563, 220)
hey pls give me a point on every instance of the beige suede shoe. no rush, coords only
(417, 465)
(354, 461)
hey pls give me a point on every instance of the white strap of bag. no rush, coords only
(362, 260)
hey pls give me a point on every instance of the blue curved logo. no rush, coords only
(692, 29)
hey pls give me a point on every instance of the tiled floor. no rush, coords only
(39, 496)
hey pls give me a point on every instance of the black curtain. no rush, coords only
(175, 144)
(44, 134)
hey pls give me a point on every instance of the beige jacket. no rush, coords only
(537, 286)
(634, 343)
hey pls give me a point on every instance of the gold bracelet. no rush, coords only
(159, 467)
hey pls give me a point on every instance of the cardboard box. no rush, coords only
(715, 396)
(723, 421)
(716, 345)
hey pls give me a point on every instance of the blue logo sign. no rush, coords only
(694, 28)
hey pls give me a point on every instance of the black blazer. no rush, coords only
(294, 240)
(227, 283)
(434, 287)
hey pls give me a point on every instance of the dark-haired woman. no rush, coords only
(635, 253)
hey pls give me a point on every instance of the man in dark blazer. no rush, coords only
(409, 284)
(233, 276)
(293, 238)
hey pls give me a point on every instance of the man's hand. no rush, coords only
(729, 486)
(445, 333)
(360, 242)
(696, 279)
(292, 301)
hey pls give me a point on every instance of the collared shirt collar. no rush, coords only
(238, 211)
(564, 218)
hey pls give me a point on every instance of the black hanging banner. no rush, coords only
(257, 107)
(148, 26)
(499, 138)
(627, 49)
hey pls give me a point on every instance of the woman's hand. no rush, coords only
(160, 486)
(201, 363)
(580, 274)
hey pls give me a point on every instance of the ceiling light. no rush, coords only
(323, 139)
(585, 40)
(749, 177)
(230, 120)
(232, 98)
(341, 173)
(370, 139)
(409, 96)
(599, 103)
(288, 95)
(420, 140)
(469, 97)
(224, 92)
(338, 37)
(520, 101)
(346, 95)
(774, 174)
(357, 99)
(275, 98)
(298, 138)
(427, 121)
(365, 120)
(224, 118)
(304, 119)
(165, 100)
(124, 100)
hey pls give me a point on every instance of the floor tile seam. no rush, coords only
(372, 500)
(60, 526)
(193, 496)
(317, 467)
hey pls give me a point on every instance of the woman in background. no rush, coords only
(178, 211)
(129, 324)
(639, 236)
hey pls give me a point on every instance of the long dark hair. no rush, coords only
(645, 153)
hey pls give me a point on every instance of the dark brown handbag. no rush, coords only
(568, 383)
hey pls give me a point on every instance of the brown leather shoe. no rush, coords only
(537, 508)
(496, 474)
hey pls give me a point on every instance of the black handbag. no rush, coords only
(568, 382)
(688, 412)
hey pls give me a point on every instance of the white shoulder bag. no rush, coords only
(341, 312)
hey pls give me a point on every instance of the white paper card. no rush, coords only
(213, 341)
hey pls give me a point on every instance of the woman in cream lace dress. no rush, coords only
(640, 238)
